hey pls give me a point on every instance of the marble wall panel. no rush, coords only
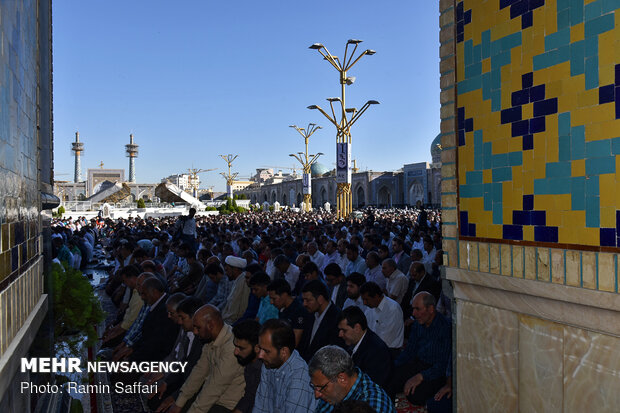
(541, 347)
(557, 266)
(530, 263)
(463, 255)
(573, 268)
(588, 266)
(591, 371)
(487, 358)
(517, 261)
(494, 258)
(542, 264)
(606, 272)
(483, 257)
(506, 257)
(473, 256)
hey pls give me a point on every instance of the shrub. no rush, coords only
(76, 309)
(141, 203)
(61, 210)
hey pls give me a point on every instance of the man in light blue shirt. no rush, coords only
(258, 287)
(284, 383)
(355, 262)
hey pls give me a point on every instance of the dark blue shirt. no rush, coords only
(431, 345)
(295, 314)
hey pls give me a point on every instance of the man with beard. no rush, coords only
(284, 383)
(354, 298)
(246, 349)
(217, 371)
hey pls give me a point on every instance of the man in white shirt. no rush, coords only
(385, 317)
(316, 256)
(373, 272)
(397, 282)
(331, 255)
(429, 251)
(288, 270)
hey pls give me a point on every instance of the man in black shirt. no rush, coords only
(290, 309)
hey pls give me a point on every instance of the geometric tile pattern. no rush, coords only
(538, 120)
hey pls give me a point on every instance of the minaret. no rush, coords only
(132, 153)
(77, 147)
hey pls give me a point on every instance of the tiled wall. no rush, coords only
(21, 267)
(19, 188)
(538, 122)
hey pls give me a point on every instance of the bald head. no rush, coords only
(207, 323)
(142, 278)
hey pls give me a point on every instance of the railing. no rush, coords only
(18, 300)
(83, 206)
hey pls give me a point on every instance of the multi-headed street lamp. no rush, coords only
(230, 177)
(348, 116)
(306, 162)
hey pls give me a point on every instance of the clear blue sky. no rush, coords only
(194, 79)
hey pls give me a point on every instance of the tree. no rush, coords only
(141, 203)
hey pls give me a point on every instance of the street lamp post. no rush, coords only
(348, 116)
(230, 177)
(306, 162)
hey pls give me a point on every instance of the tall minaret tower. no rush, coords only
(132, 153)
(77, 147)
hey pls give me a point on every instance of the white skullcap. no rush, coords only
(236, 262)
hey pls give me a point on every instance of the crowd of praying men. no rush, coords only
(276, 311)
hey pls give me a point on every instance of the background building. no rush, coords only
(181, 180)
(530, 143)
(25, 185)
(420, 181)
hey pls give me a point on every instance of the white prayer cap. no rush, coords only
(236, 262)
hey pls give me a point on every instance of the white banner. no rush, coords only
(306, 183)
(229, 191)
(343, 162)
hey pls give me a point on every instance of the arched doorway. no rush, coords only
(323, 195)
(299, 199)
(265, 198)
(416, 192)
(273, 197)
(384, 197)
(284, 200)
(360, 197)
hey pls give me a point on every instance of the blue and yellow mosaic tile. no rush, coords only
(538, 120)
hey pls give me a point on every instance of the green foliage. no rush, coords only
(141, 203)
(76, 308)
(230, 207)
(210, 208)
(271, 208)
(242, 196)
(61, 210)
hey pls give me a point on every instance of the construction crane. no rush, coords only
(193, 178)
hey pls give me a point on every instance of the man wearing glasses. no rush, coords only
(335, 379)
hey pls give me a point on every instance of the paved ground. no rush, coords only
(121, 403)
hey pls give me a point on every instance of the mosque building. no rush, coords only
(404, 187)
